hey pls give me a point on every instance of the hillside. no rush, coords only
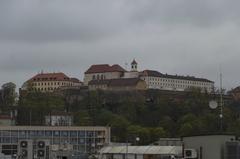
(147, 114)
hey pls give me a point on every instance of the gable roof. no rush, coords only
(154, 73)
(75, 80)
(124, 82)
(151, 73)
(134, 62)
(50, 77)
(102, 68)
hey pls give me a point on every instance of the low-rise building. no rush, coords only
(59, 119)
(222, 146)
(153, 79)
(157, 80)
(7, 120)
(49, 82)
(103, 72)
(235, 93)
(141, 152)
(125, 84)
(81, 140)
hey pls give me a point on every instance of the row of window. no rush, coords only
(177, 81)
(98, 77)
(43, 89)
(52, 83)
(45, 79)
(173, 85)
(51, 133)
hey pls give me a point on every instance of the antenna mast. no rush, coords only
(221, 102)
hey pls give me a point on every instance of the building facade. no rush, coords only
(141, 152)
(157, 80)
(103, 72)
(214, 146)
(49, 82)
(82, 140)
(153, 79)
(7, 120)
(124, 84)
(59, 119)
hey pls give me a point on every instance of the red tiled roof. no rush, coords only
(158, 74)
(50, 77)
(75, 80)
(104, 68)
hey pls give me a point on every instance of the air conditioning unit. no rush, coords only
(190, 154)
(25, 149)
(42, 148)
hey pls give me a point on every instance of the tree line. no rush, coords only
(148, 115)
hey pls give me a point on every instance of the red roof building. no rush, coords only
(103, 72)
(48, 82)
(102, 68)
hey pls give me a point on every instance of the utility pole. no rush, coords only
(221, 102)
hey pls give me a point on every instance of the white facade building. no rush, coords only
(153, 79)
(157, 80)
(59, 119)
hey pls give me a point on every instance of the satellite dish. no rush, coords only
(213, 104)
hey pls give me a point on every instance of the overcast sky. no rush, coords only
(185, 37)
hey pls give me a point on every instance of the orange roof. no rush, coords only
(104, 68)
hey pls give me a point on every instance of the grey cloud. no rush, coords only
(187, 37)
(83, 20)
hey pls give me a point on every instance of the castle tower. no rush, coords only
(134, 66)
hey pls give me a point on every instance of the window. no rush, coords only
(73, 134)
(64, 133)
(48, 133)
(81, 133)
(56, 133)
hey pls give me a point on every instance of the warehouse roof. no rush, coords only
(160, 150)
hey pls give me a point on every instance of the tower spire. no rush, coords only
(134, 65)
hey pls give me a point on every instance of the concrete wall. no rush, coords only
(209, 147)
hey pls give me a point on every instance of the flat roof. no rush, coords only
(73, 128)
(158, 150)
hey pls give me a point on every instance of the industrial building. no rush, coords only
(141, 152)
(59, 142)
(223, 146)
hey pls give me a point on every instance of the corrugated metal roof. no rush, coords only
(161, 150)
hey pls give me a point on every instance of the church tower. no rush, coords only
(134, 66)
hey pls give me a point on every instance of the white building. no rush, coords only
(59, 119)
(134, 71)
(141, 152)
(153, 79)
(157, 80)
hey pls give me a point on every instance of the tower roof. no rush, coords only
(134, 62)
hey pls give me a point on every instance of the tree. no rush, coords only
(8, 95)
(35, 105)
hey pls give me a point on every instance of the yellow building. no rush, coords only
(48, 82)
(125, 84)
